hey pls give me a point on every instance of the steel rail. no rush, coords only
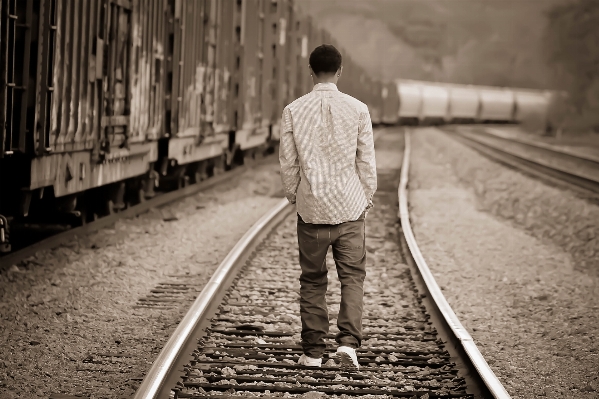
(154, 380)
(556, 148)
(580, 166)
(461, 337)
(135, 210)
(589, 188)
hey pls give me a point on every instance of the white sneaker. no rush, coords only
(309, 361)
(346, 357)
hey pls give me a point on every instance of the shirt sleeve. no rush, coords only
(288, 158)
(365, 159)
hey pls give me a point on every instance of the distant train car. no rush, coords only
(464, 103)
(390, 103)
(532, 107)
(496, 105)
(376, 107)
(410, 101)
(434, 103)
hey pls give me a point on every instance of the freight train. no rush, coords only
(101, 101)
(427, 102)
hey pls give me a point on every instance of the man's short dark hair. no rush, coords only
(325, 59)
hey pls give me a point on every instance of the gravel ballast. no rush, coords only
(552, 214)
(88, 318)
(516, 260)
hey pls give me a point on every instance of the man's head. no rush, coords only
(325, 63)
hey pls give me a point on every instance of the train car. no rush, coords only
(293, 60)
(376, 106)
(390, 103)
(282, 54)
(496, 105)
(464, 103)
(410, 101)
(315, 39)
(302, 52)
(250, 135)
(197, 138)
(345, 82)
(434, 103)
(532, 107)
(81, 104)
(271, 48)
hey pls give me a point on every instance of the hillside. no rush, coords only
(495, 42)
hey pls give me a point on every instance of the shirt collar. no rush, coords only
(325, 86)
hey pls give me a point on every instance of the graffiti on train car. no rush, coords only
(147, 75)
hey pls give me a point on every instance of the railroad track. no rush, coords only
(556, 165)
(161, 199)
(241, 336)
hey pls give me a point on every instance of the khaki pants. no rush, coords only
(349, 252)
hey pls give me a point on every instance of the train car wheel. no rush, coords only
(141, 196)
(199, 172)
(182, 181)
(235, 158)
(118, 197)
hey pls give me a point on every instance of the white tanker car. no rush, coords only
(428, 102)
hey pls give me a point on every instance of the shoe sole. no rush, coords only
(345, 361)
(309, 365)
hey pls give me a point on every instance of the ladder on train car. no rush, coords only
(15, 26)
(16, 18)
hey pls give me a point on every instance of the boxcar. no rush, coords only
(280, 22)
(197, 123)
(82, 101)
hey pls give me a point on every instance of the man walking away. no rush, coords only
(328, 170)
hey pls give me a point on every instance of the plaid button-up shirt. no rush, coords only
(327, 158)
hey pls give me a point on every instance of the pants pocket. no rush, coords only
(352, 234)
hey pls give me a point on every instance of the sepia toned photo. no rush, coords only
(302, 199)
